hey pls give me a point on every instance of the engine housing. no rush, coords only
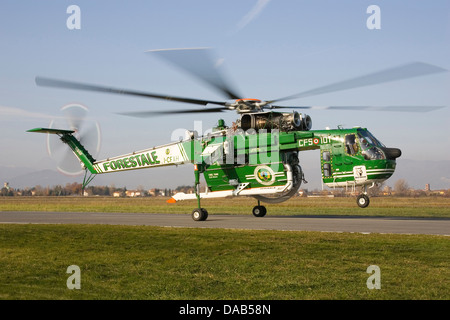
(276, 120)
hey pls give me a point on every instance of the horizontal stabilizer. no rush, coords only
(48, 130)
(171, 200)
(78, 149)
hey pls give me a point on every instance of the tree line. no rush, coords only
(401, 189)
(76, 189)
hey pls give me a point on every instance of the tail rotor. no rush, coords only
(87, 131)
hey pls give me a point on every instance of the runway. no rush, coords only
(385, 225)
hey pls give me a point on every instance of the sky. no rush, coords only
(267, 49)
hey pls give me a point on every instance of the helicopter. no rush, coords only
(258, 155)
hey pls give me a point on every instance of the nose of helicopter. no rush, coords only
(392, 153)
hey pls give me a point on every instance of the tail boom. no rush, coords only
(165, 155)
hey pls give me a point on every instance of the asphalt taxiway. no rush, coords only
(394, 225)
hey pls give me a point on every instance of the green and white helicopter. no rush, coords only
(258, 155)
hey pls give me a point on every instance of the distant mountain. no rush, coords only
(44, 178)
(7, 173)
(169, 177)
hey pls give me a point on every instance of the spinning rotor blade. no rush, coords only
(387, 108)
(55, 83)
(200, 63)
(69, 164)
(156, 113)
(397, 73)
(85, 130)
(75, 116)
(368, 108)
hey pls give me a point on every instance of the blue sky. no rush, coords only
(271, 49)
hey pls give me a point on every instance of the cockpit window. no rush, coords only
(369, 139)
(370, 146)
(351, 146)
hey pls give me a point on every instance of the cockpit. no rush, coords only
(371, 147)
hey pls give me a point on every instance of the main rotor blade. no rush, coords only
(200, 63)
(140, 114)
(368, 108)
(410, 70)
(55, 83)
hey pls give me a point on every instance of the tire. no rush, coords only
(259, 211)
(205, 214)
(199, 214)
(362, 200)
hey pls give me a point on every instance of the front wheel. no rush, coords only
(362, 200)
(259, 211)
(199, 214)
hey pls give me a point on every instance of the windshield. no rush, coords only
(370, 146)
(367, 139)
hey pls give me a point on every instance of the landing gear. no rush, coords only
(259, 211)
(362, 200)
(199, 214)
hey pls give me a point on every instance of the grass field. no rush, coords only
(382, 206)
(122, 262)
(142, 262)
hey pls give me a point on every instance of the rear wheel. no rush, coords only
(259, 211)
(362, 200)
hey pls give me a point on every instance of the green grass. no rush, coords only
(124, 262)
(137, 262)
(382, 206)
